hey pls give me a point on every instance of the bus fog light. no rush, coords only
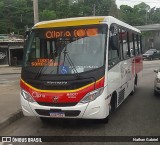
(92, 95)
(27, 96)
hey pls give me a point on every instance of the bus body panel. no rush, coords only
(120, 80)
(139, 67)
(114, 78)
(69, 96)
(92, 110)
(122, 76)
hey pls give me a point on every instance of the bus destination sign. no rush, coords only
(50, 34)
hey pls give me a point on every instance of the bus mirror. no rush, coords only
(27, 33)
(114, 42)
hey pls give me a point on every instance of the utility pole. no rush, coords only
(35, 9)
(147, 10)
(146, 17)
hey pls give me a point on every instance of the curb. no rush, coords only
(10, 73)
(12, 118)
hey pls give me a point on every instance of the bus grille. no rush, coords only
(57, 104)
(69, 113)
(121, 96)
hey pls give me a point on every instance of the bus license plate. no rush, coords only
(57, 114)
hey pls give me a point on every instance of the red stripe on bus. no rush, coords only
(138, 64)
(63, 97)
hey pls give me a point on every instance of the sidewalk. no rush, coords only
(10, 109)
(5, 70)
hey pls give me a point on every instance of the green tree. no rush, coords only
(138, 15)
(102, 7)
(154, 15)
(113, 11)
(3, 29)
(76, 10)
(47, 15)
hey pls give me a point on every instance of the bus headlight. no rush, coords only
(27, 96)
(92, 95)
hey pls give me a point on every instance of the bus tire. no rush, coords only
(133, 91)
(113, 102)
(112, 107)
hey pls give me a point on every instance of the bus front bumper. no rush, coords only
(96, 109)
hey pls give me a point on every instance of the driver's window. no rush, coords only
(34, 51)
(113, 50)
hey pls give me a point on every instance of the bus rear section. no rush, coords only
(63, 74)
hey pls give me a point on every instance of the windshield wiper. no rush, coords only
(66, 56)
(44, 68)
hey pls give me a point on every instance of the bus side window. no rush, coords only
(133, 39)
(139, 44)
(131, 44)
(34, 51)
(120, 43)
(137, 51)
(141, 48)
(126, 53)
(113, 50)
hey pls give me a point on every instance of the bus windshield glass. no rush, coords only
(66, 50)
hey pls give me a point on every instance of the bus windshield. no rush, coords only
(66, 50)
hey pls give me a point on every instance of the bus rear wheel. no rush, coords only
(134, 87)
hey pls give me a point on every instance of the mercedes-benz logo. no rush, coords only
(55, 99)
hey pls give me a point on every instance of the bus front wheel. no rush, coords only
(112, 107)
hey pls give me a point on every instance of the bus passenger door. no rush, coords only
(114, 68)
(126, 63)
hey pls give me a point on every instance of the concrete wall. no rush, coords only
(157, 40)
(151, 41)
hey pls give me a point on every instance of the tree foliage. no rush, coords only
(140, 14)
(16, 15)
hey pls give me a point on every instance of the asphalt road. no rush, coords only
(139, 115)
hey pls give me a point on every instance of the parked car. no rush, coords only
(157, 83)
(151, 54)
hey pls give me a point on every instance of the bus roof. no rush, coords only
(83, 21)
